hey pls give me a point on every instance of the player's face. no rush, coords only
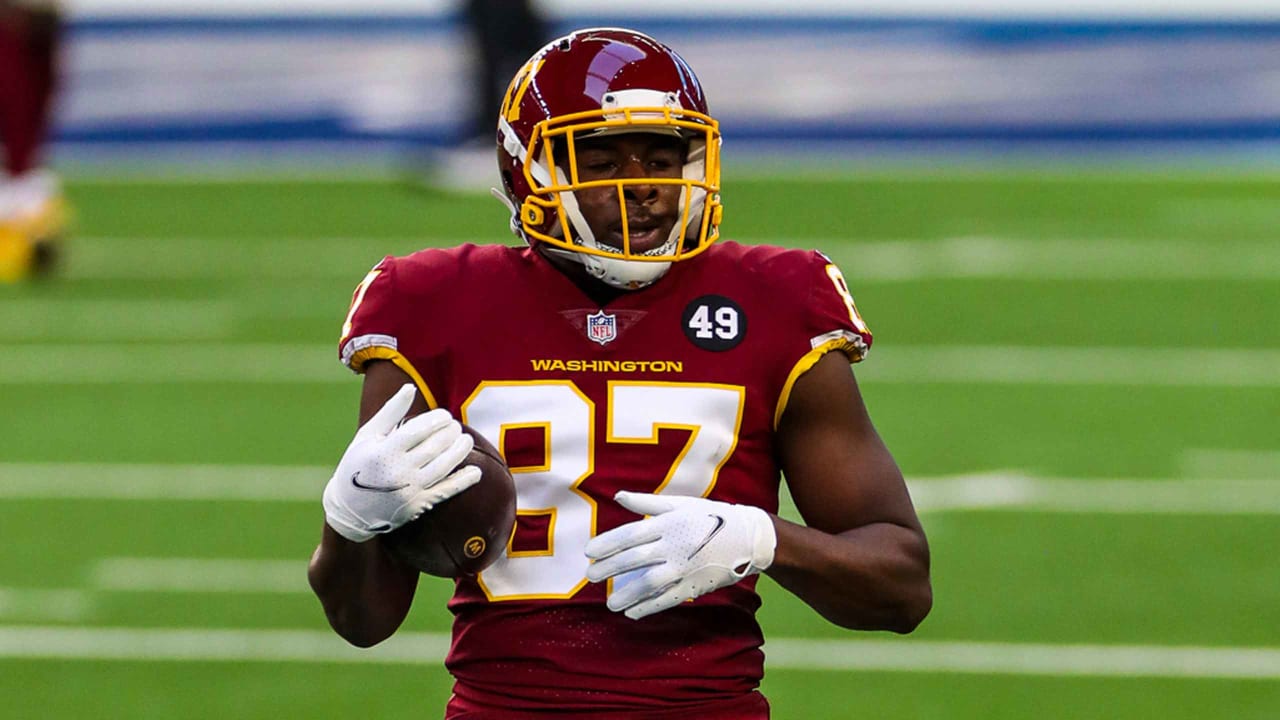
(652, 209)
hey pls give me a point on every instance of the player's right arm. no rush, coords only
(366, 593)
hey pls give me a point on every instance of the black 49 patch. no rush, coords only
(715, 323)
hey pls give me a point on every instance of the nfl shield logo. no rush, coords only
(602, 328)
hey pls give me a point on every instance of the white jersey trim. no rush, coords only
(851, 339)
(364, 342)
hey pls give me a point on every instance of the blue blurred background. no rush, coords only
(915, 80)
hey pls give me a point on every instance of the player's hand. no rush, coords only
(394, 471)
(689, 547)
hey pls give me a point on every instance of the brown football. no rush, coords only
(468, 532)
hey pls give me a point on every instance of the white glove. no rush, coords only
(689, 547)
(394, 471)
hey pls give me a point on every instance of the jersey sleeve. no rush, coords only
(371, 329)
(833, 315)
(376, 325)
(828, 320)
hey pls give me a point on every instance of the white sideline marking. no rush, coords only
(311, 646)
(978, 364)
(200, 575)
(989, 491)
(1201, 462)
(42, 604)
(885, 260)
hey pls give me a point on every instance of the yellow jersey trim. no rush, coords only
(803, 366)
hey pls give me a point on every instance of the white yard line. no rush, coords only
(885, 260)
(199, 575)
(312, 646)
(1205, 462)
(70, 364)
(1010, 491)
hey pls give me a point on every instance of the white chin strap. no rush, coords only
(627, 274)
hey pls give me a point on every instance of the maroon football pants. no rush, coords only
(752, 706)
(28, 48)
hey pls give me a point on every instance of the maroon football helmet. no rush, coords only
(595, 82)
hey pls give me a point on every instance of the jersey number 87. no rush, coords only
(710, 413)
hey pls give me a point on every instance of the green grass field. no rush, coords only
(1079, 374)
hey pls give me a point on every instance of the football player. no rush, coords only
(32, 210)
(648, 387)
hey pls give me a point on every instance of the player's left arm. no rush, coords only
(861, 559)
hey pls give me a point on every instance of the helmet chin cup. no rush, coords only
(625, 274)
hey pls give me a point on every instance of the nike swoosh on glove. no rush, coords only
(394, 470)
(687, 548)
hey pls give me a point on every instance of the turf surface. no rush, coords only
(257, 275)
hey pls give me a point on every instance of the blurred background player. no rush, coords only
(32, 210)
(503, 34)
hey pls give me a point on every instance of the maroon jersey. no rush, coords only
(676, 388)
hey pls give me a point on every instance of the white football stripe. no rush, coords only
(44, 364)
(85, 481)
(1008, 491)
(313, 646)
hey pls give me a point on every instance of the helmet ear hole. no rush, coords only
(532, 214)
